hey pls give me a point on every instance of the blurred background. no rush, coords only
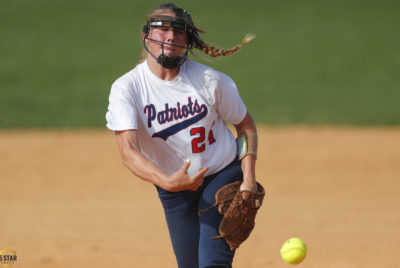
(313, 62)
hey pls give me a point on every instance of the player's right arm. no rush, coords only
(141, 166)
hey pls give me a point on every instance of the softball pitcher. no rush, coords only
(168, 116)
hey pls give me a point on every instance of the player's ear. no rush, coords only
(143, 35)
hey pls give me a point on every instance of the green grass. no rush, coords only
(313, 61)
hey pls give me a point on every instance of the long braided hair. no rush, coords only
(195, 41)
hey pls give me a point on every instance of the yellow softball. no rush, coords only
(293, 251)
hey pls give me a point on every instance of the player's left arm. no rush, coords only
(247, 126)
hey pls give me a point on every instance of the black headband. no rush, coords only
(167, 21)
(172, 22)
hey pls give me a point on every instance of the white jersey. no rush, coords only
(180, 119)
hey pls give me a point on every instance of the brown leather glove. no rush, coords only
(239, 209)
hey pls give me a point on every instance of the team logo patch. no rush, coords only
(192, 110)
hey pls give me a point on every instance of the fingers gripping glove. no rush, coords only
(239, 209)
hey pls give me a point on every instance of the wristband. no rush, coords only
(247, 145)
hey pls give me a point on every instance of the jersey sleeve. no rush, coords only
(230, 105)
(122, 112)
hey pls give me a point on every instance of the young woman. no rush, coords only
(168, 116)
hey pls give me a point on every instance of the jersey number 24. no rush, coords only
(198, 143)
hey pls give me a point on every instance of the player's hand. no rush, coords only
(250, 186)
(181, 180)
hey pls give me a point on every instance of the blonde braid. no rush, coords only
(216, 52)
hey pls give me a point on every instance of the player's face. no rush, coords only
(169, 36)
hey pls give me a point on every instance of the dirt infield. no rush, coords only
(67, 201)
